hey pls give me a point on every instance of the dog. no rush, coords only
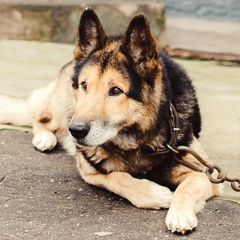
(113, 107)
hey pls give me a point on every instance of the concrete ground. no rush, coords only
(42, 196)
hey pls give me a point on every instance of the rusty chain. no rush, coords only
(176, 150)
(221, 176)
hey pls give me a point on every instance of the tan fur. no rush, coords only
(12, 107)
(140, 192)
(56, 103)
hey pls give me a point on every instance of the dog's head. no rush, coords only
(117, 81)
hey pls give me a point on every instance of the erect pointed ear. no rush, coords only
(91, 35)
(139, 42)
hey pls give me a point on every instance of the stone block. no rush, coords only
(57, 21)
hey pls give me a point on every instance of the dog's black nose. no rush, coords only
(79, 129)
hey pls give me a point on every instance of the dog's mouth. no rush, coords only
(92, 134)
(80, 144)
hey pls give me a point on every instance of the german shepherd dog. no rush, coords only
(116, 99)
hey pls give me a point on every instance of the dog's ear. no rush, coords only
(139, 42)
(91, 35)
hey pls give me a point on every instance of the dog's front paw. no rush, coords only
(150, 195)
(181, 221)
(44, 141)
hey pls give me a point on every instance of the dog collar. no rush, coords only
(173, 121)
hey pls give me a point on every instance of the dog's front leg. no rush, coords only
(190, 196)
(43, 139)
(188, 199)
(140, 192)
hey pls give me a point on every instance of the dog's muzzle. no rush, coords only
(79, 129)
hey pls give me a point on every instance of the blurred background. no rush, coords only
(208, 28)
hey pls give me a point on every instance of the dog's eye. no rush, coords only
(84, 86)
(115, 91)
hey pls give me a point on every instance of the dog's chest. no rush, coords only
(131, 161)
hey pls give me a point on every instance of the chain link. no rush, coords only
(221, 176)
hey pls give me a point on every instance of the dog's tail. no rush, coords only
(14, 111)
